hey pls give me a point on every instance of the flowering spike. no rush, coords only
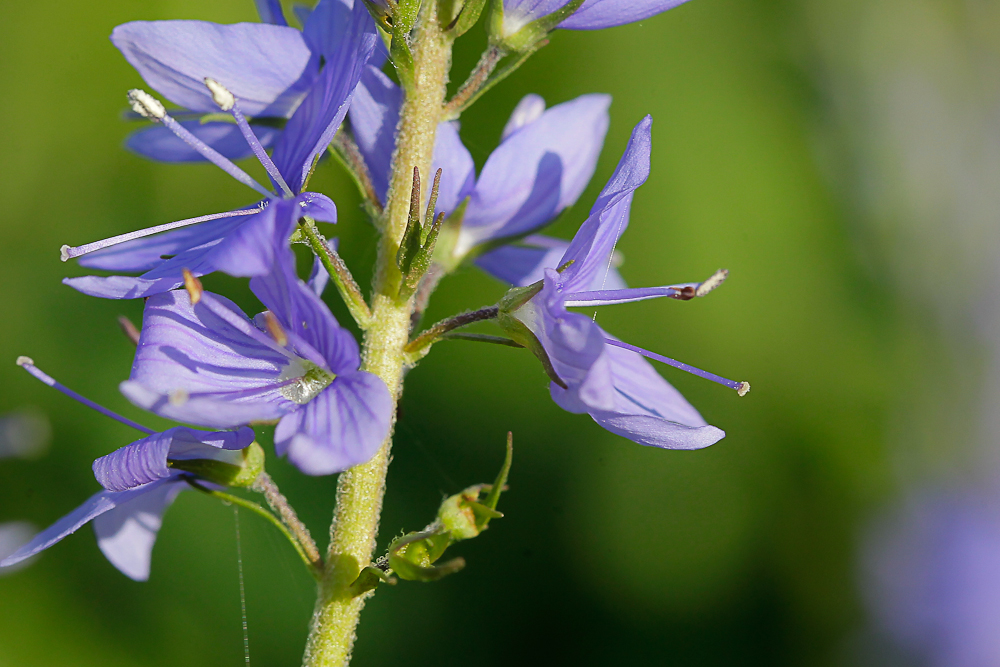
(193, 287)
(29, 365)
(220, 94)
(146, 105)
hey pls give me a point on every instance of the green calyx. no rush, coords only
(223, 473)
(529, 35)
(515, 315)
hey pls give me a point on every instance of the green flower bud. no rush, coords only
(226, 474)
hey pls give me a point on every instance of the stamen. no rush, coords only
(275, 329)
(150, 107)
(129, 329)
(69, 252)
(193, 287)
(227, 102)
(741, 388)
(684, 292)
(27, 364)
(146, 105)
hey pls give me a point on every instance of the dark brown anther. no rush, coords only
(685, 293)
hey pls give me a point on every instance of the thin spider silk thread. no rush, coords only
(243, 597)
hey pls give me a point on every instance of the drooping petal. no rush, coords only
(270, 12)
(145, 460)
(312, 126)
(527, 111)
(160, 144)
(458, 171)
(248, 250)
(196, 366)
(317, 206)
(327, 25)
(127, 532)
(269, 68)
(97, 504)
(537, 172)
(13, 536)
(303, 314)
(374, 115)
(647, 410)
(592, 246)
(591, 15)
(575, 347)
(342, 427)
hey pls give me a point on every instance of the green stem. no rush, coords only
(339, 273)
(314, 568)
(433, 333)
(360, 490)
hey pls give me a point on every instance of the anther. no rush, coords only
(275, 329)
(193, 287)
(713, 281)
(129, 329)
(178, 397)
(743, 389)
(64, 252)
(146, 105)
(23, 361)
(220, 94)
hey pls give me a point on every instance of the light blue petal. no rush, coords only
(158, 143)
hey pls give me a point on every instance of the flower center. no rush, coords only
(309, 378)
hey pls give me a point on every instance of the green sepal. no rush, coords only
(412, 556)
(421, 261)
(225, 474)
(369, 578)
(531, 33)
(463, 516)
(510, 320)
(459, 16)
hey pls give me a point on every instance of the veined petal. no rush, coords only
(145, 460)
(374, 115)
(591, 15)
(592, 246)
(127, 532)
(458, 171)
(312, 126)
(97, 504)
(527, 111)
(327, 25)
(342, 427)
(148, 252)
(160, 144)
(248, 250)
(647, 409)
(303, 314)
(524, 263)
(269, 68)
(537, 171)
(195, 366)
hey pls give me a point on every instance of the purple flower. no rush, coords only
(591, 15)
(207, 363)
(240, 242)
(592, 371)
(932, 578)
(140, 482)
(542, 165)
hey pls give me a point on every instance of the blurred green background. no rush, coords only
(773, 157)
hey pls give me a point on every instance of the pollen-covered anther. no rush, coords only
(743, 389)
(220, 94)
(178, 397)
(25, 361)
(146, 105)
(275, 329)
(193, 287)
(713, 281)
(64, 252)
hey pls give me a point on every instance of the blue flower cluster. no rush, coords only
(281, 94)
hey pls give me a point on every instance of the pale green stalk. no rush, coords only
(360, 489)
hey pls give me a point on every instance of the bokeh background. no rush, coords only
(839, 157)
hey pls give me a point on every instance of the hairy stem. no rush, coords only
(360, 489)
(339, 273)
(279, 504)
